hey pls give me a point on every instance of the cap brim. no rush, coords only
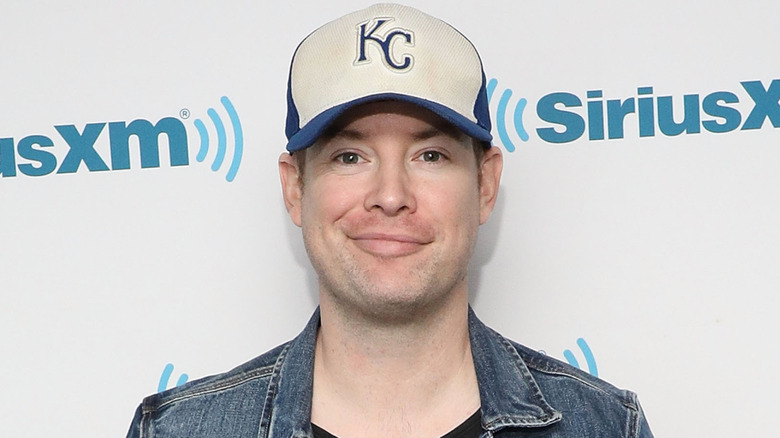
(307, 135)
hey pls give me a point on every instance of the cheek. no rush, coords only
(328, 200)
(457, 204)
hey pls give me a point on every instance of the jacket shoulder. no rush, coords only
(582, 396)
(255, 369)
(227, 404)
(544, 367)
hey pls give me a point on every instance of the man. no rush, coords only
(389, 175)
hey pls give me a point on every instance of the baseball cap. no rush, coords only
(385, 52)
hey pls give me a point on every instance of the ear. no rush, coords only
(292, 186)
(490, 175)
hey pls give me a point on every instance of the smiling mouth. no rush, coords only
(388, 246)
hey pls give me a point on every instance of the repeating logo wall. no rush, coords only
(32, 156)
(568, 119)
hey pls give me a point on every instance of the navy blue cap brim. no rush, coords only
(309, 134)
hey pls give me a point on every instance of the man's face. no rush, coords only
(390, 203)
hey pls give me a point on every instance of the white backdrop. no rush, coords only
(659, 251)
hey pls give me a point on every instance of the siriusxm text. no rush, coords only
(38, 160)
(715, 112)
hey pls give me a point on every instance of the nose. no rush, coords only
(391, 190)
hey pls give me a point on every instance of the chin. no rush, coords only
(396, 303)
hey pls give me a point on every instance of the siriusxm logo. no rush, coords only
(32, 155)
(238, 137)
(568, 117)
(165, 377)
(589, 359)
(501, 115)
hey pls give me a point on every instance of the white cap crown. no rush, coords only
(385, 52)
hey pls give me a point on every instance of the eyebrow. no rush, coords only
(435, 132)
(350, 134)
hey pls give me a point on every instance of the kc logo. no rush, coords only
(367, 32)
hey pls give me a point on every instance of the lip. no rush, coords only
(389, 244)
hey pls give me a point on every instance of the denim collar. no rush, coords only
(508, 393)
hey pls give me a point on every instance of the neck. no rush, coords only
(394, 376)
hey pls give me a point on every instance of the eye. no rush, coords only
(348, 158)
(431, 156)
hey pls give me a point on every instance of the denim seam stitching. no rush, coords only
(549, 413)
(265, 416)
(633, 419)
(229, 384)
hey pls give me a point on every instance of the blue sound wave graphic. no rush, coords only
(589, 359)
(219, 127)
(500, 116)
(166, 376)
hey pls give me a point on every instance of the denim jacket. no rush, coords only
(523, 393)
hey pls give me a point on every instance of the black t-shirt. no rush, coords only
(471, 428)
